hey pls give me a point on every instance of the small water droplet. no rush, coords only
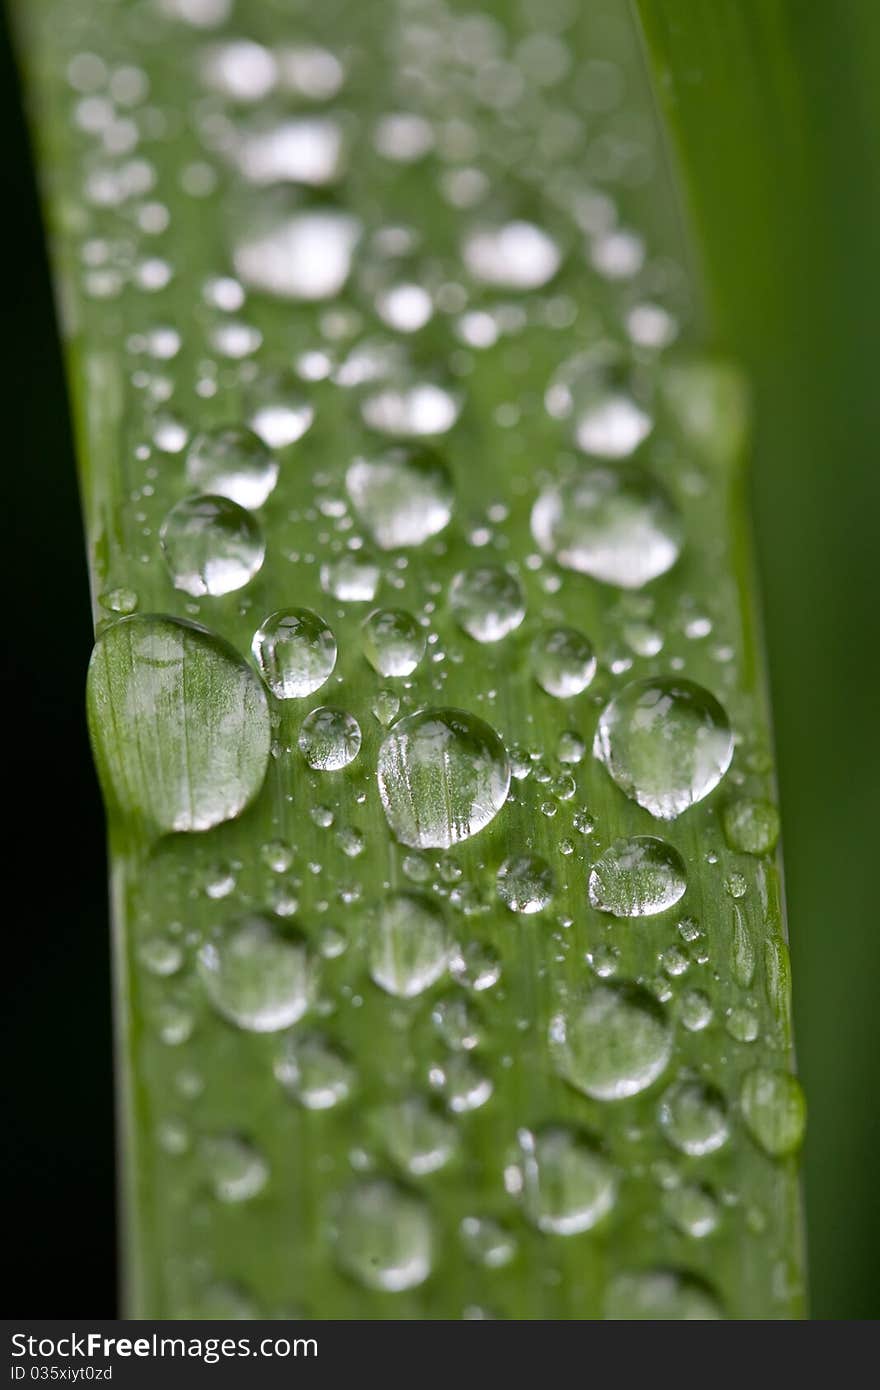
(751, 826)
(160, 956)
(403, 496)
(488, 602)
(119, 601)
(660, 1295)
(615, 524)
(475, 966)
(693, 1116)
(567, 1185)
(443, 776)
(418, 1138)
(774, 1110)
(408, 949)
(563, 663)
(232, 462)
(303, 257)
(515, 256)
(237, 1171)
(211, 546)
(695, 1010)
(352, 578)
(487, 1243)
(742, 1023)
(314, 1072)
(259, 977)
(295, 652)
(386, 707)
(612, 1042)
(329, 739)
(384, 1237)
(666, 742)
(525, 883)
(638, 877)
(393, 642)
(692, 1209)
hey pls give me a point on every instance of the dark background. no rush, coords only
(817, 504)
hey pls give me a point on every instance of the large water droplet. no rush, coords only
(567, 1186)
(384, 1237)
(693, 1116)
(488, 602)
(393, 642)
(295, 652)
(666, 742)
(211, 546)
(525, 883)
(306, 256)
(443, 775)
(257, 975)
(329, 739)
(638, 877)
(612, 1042)
(233, 463)
(774, 1110)
(408, 949)
(516, 256)
(403, 496)
(563, 662)
(179, 724)
(615, 524)
(660, 1295)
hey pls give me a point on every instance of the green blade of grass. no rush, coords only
(361, 1075)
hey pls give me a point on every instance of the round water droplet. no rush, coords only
(693, 1116)
(329, 739)
(237, 1171)
(607, 403)
(695, 1010)
(612, 1042)
(638, 877)
(751, 826)
(515, 256)
(692, 1209)
(211, 546)
(234, 463)
(295, 652)
(525, 883)
(177, 764)
(660, 1295)
(119, 600)
(403, 496)
(615, 524)
(279, 413)
(410, 410)
(443, 776)
(567, 1185)
(353, 578)
(487, 1243)
(314, 1072)
(563, 663)
(487, 602)
(259, 977)
(408, 949)
(393, 642)
(303, 257)
(384, 1237)
(463, 1086)
(417, 1137)
(666, 742)
(774, 1110)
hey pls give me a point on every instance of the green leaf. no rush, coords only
(382, 1052)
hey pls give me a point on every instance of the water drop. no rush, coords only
(475, 966)
(410, 409)
(353, 578)
(384, 1237)
(463, 1086)
(408, 950)
(403, 496)
(443, 776)
(211, 546)
(237, 1171)
(120, 601)
(180, 764)
(303, 257)
(516, 256)
(612, 1042)
(695, 1010)
(563, 663)
(295, 652)
(386, 707)
(258, 976)
(416, 1136)
(314, 1072)
(487, 1243)
(525, 883)
(567, 1185)
(160, 957)
(279, 413)
(751, 826)
(233, 463)
(693, 1116)
(488, 602)
(638, 877)
(600, 392)
(774, 1110)
(393, 642)
(615, 524)
(660, 1295)
(692, 1209)
(666, 742)
(329, 739)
